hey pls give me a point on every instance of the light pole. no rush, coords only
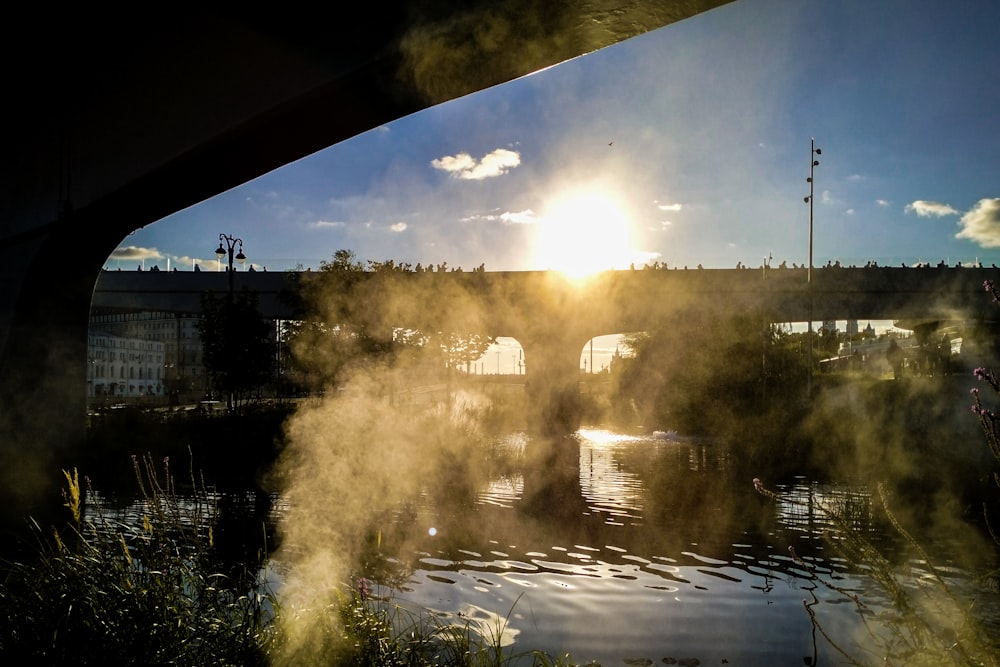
(813, 163)
(227, 245)
(230, 245)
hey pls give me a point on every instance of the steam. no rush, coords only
(365, 449)
(495, 42)
(362, 451)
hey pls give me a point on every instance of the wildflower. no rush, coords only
(757, 484)
(364, 590)
(980, 373)
(988, 285)
(974, 391)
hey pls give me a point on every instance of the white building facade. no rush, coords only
(182, 375)
(124, 368)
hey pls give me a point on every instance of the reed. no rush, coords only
(386, 634)
(100, 591)
(930, 621)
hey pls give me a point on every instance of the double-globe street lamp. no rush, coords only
(227, 246)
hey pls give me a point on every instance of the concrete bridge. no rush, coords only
(519, 303)
(553, 316)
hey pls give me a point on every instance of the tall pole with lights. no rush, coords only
(227, 246)
(813, 163)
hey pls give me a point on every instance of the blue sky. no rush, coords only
(688, 145)
(692, 142)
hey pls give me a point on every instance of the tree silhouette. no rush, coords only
(238, 344)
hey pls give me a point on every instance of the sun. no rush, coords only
(582, 233)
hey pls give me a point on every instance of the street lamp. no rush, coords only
(813, 163)
(227, 245)
(230, 245)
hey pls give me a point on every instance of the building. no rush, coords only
(181, 374)
(121, 368)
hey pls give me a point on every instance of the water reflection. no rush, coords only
(616, 547)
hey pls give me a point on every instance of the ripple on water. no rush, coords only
(637, 559)
(704, 559)
(720, 575)
(516, 565)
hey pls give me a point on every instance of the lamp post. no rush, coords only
(813, 163)
(230, 245)
(227, 246)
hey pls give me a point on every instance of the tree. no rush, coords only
(710, 373)
(238, 344)
(354, 315)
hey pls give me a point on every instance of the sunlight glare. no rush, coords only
(583, 233)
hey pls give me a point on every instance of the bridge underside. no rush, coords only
(114, 126)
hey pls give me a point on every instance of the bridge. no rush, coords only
(553, 316)
(517, 303)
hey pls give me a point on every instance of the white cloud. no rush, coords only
(398, 227)
(326, 224)
(927, 209)
(670, 207)
(827, 197)
(464, 166)
(883, 203)
(135, 253)
(525, 217)
(981, 224)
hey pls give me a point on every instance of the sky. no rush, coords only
(688, 145)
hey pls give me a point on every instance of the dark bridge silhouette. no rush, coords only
(553, 316)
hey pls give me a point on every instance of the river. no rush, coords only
(654, 549)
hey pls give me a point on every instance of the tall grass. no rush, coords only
(100, 591)
(383, 634)
(924, 616)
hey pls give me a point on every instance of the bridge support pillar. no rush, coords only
(553, 384)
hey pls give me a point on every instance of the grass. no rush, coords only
(101, 591)
(385, 634)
